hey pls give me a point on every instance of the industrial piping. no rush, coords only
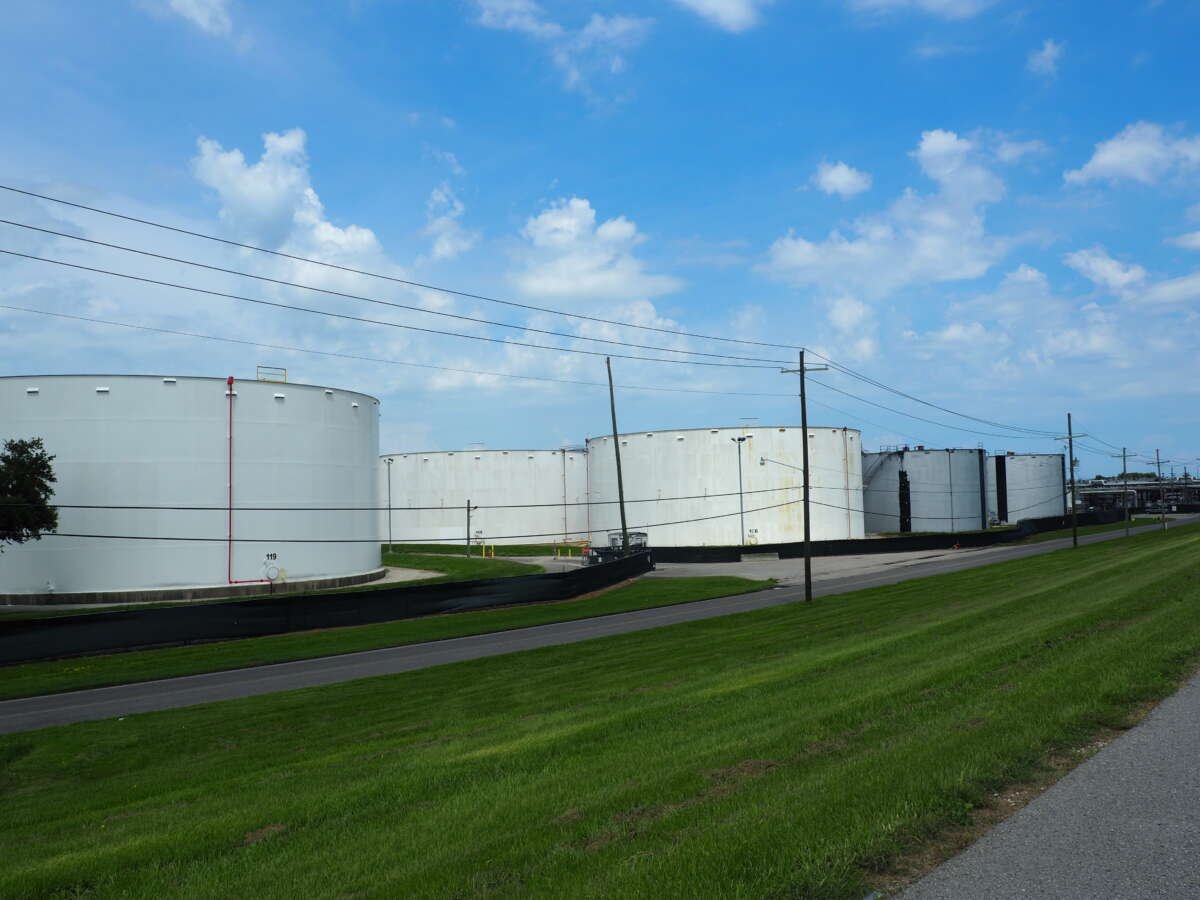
(229, 538)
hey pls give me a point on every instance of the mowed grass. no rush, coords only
(56, 676)
(790, 752)
(477, 551)
(1088, 529)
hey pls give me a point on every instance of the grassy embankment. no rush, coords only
(794, 751)
(1086, 529)
(477, 550)
(30, 679)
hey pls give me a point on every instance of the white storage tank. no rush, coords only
(195, 482)
(924, 490)
(682, 486)
(1026, 486)
(523, 496)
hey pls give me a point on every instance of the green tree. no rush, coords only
(26, 485)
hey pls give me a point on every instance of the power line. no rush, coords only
(921, 419)
(376, 359)
(347, 317)
(378, 301)
(397, 280)
(879, 384)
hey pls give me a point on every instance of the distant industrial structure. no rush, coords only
(1141, 494)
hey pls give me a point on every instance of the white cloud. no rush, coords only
(570, 257)
(731, 15)
(1189, 241)
(1173, 290)
(945, 9)
(839, 178)
(1142, 152)
(272, 202)
(524, 16)
(444, 211)
(1015, 151)
(1044, 61)
(598, 48)
(919, 239)
(210, 16)
(1097, 266)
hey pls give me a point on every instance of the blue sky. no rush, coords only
(994, 206)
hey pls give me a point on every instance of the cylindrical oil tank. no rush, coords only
(1026, 486)
(167, 482)
(727, 486)
(517, 496)
(924, 490)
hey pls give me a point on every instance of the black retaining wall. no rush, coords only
(105, 632)
(904, 543)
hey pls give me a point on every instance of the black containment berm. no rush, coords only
(107, 632)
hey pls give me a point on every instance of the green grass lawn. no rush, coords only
(790, 752)
(476, 550)
(1086, 529)
(30, 679)
(457, 568)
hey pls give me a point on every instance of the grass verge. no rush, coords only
(1085, 529)
(30, 679)
(501, 549)
(793, 751)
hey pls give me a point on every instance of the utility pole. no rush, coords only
(1074, 496)
(388, 460)
(1124, 454)
(612, 406)
(741, 504)
(804, 460)
(1162, 491)
(470, 508)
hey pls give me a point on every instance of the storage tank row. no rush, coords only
(523, 496)
(959, 489)
(691, 487)
(166, 482)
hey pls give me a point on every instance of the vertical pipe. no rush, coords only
(983, 522)
(468, 528)
(612, 405)
(741, 502)
(804, 461)
(564, 493)
(389, 471)
(950, 469)
(229, 485)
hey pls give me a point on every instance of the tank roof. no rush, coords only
(742, 428)
(220, 379)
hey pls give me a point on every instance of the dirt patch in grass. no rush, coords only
(262, 834)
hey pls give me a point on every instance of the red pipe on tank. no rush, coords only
(229, 504)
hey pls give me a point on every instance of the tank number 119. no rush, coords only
(271, 556)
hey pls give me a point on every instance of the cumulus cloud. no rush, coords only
(919, 239)
(210, 16)
(1189, 241)
(598, 48)
(272, 202)
(1143, 152)
(571, 257)
(444, 210)
(730, 15)
(1098, 267)
(1044, 60)
(839, 178)
(944, 9)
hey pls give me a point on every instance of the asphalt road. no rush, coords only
(101, 703)
(1126, 823)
